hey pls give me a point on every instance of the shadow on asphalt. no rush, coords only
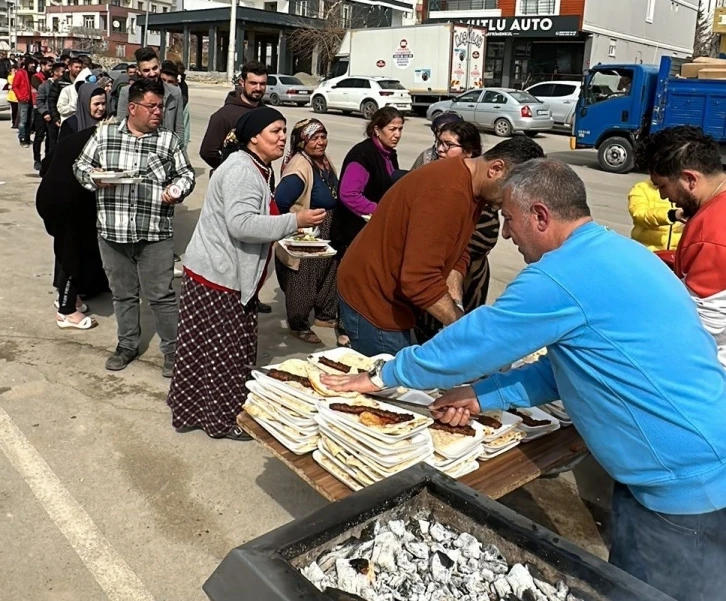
(291, 493)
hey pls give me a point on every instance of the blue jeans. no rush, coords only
(683, 556)
(367, 338)
(25, 121)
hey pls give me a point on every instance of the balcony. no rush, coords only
(26, 9)
(463, 5)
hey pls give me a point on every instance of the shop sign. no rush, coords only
(525, 27)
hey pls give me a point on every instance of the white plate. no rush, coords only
(111, 175)
(295, 436)
(462, 446)
(464, 469)
(298, 449)
(292, 408)
(493, 446)
(508, 421)
(334, 470)
(448, 464)
(312, 243)
(308, 429)
(486, 455)
(540, 433)
(367, 218)
(309, 396)
(347, 421)
(537, 413)
(360, 473)
(329, 251)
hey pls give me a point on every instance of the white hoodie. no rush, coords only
(68, 99)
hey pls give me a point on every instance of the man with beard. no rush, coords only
(685, 165)
(245, 97)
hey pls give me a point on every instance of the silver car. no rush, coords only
(562, 96)
(286, 89)
(4, 87)
(503, 110)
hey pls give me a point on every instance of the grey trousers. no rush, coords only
(146, 267)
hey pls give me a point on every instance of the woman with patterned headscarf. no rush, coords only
(309, 181)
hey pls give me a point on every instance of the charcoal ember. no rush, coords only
(470, 547)
(370, 531)
(498, 568)
(562, 590)
(440, 533)
(491, 553)
(501, 587)
(386, 547)
(487, 575)
(315, 574)
(475, 585)
(441, 567)
(327, 560)
(424, 526)
(397, 527)
(521, 581)
(349, 579)
(549, 591)
(419, 550)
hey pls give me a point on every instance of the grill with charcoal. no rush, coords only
(418, 536)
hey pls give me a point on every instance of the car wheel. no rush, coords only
(503, 128)
(368, 108)
(275, 99)
(531, 134)
(435, 114)
(320, 105)
(616, 155)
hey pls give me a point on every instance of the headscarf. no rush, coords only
(83, 108)
(248, 126)
(302, 133)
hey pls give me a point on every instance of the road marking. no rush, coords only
(109, 569)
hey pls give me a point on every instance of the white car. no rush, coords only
(4, 104)
(360, 94)
(562, 97)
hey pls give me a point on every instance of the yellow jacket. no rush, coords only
(11, 94)
(649, 211)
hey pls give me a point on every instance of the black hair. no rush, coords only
(254, 67)
(145, 54)
(57, 66)
(381, 118)
(75, 61)
(64, 56)
(131, 66)
(671, 151)
(45, 61)
(86, 61)
(467, 134)
(169, 68)
(139, 88)
(515, 151)
(181, 67)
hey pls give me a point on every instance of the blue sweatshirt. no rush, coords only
(627, 354)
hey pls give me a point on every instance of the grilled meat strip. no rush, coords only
(308, 250)
(286, 376)
(388, 416)
(489, 421)
(335, 365)
(463, 430)
(530, 421)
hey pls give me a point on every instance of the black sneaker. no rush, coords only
(37, 165)
(263, 308)
(168, 370)
(121, 358)
(238, 433)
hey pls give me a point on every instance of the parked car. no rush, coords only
(504, 110)
(283, 89)
(360, 94)
(4, 104)
(561, 96)
(120, 67)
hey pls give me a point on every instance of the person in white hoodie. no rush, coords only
(68, 99)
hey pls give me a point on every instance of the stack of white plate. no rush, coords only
(456, 454)
(500, 440)
(358, 454)
(557, 409)
(534, 432)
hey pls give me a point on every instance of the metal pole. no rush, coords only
(146, 29)
(232, 41)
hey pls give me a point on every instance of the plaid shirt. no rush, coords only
(130, 213)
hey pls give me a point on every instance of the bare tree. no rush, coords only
(326, 36)
(706, 42)
(88, 39)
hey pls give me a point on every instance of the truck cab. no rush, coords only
(614, 109)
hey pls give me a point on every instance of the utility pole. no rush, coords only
(231, 50)
(146, 29)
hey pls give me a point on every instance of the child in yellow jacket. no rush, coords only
(656, 222)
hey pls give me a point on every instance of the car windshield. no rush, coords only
(290, 81)
(524, 98)
(390, 84)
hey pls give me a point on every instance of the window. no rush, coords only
(164, 9)
(523, 97)
(537, 7)
(118, 25)
(650, 11)
(271, 80)
(346, 14)
(607, 84)
(120, 51)
(613, 49)
(41, 24)
(362, 83)
(289, 81)
(346, 83)
(300, 8)
(153, 8)
(562, 90)
(472, 96)
(390, 84)
(55, 24)
(132, 27)
(492, 97)
(543, 90)
(41, 6)
(271, 7)
(116, 2)
(89, 21)
(141, 6)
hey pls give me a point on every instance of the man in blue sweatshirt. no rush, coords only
(628, 356)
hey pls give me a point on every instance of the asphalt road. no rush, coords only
(99, 497)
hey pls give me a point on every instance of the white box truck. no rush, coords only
(433, 62)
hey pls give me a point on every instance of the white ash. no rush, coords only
(425, 560)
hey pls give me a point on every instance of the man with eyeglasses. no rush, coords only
(135, 217)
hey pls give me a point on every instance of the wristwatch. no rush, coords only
(374, 373)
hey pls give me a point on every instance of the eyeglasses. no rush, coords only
(152, 108)
(446, 146)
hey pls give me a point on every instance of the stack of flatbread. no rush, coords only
(500, 433)
(363, 440)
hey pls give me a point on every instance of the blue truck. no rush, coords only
(621, 104)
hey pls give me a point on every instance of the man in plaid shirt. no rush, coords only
(135, 219)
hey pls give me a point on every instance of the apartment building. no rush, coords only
(6, 9)
(535, 40)
(113, 28)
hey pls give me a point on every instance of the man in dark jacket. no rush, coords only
(74, 68)
(246, 97)
(44, 128)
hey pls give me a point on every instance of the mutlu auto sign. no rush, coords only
(530, 27)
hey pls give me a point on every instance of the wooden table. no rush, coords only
(495, 478)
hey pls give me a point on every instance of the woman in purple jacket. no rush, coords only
(366, 176)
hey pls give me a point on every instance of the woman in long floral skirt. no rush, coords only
(224, 268)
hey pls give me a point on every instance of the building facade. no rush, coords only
(537, 40)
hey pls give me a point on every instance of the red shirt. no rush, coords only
(22, 87)
(701, 253)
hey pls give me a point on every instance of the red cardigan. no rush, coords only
(21, 86)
